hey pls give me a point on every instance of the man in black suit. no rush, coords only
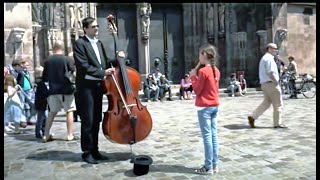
(92, 68)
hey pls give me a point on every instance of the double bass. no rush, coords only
(126, 121)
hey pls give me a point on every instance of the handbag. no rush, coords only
(70, 79)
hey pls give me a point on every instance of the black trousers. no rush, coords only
(89, 106)
(182, 90)
(293, 85)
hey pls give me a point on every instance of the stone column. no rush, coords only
(216, 28)
(262, 41)
(143, 30)
(240, 44)
(66, 30)
(36, 55)
(229, 44)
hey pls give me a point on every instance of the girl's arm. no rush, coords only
(11, 91)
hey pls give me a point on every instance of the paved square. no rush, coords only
(175, 145)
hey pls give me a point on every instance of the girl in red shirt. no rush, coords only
(205, 83)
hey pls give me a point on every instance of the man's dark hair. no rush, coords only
(291, 57)
(86, 22)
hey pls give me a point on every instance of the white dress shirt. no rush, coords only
(96, 50)
(267, 65)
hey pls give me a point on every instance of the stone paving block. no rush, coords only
(176, 146)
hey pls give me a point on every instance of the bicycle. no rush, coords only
(307, 87)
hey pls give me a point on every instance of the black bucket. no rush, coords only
(141, 164)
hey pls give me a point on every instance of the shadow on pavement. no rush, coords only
(163, 168)
(237, 126)
(245, 126)
(74, 157)
(27, 135)
(171, 168)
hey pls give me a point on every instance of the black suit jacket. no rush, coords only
(86, 60)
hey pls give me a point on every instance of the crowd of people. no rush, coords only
(53, 92)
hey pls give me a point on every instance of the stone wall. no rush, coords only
(17, 24)
(302, 37)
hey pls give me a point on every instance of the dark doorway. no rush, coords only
(125, 20)
(166, 36)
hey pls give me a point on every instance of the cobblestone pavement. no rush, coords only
(175, 145)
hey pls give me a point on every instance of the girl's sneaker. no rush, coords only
(204, 171)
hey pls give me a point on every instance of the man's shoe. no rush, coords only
(293, 97)
(169, 99)
(97, 155)
(30, 123)
(281, 126)
(87, 157)
(251, 121)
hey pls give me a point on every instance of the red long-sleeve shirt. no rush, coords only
(206, 87)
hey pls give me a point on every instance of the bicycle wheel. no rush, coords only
(309, 89)
(286, 90)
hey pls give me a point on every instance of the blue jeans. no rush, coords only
(209, 130)
(41, 123)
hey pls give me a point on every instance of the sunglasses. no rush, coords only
(96, 26)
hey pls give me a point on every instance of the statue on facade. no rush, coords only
(280, 35)
(76, 15)
(145, 12)
(37, 12)
(221, 11)
(210, 20)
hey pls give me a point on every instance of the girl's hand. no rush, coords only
(193, 72)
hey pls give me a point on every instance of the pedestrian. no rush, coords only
(60, 90)
(92, 68)
(292, 69)
(269, 80)
(280, 64)
(21, 65)
(13, 105)
(40, 102)
(205, 83)
(70, 56)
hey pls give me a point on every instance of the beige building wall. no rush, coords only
(18, 25)
(302, 37)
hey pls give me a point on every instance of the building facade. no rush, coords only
(170, 34)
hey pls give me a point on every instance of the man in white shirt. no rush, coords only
(269, 80)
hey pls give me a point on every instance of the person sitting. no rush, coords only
(151, 89)
(164, 87)
(186, 88)
(234, 85)
(243, 84)
(156, 75)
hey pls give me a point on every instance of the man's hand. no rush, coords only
(121, 54)
(109, 71)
